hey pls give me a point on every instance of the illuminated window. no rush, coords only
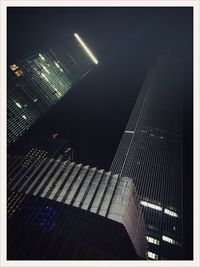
(41, 57)
(44, 76)
(19, 73)
(152, 240)
(56, 64)
(45, 69)
(150, 205)
(152, 255)
(17, 104)
(170, 212)
(35, 100)
(168, 239)
(14, 67)
(24, 117)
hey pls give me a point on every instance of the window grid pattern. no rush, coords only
(86, 188)
(150, 152)
(47, 76)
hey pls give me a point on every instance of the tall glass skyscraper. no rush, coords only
(37, 82)
(150, 152)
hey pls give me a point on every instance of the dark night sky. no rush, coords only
(126, 41)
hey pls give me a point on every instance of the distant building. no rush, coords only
(40, 147)
(150, 152)
(37, 82)
(69, 211)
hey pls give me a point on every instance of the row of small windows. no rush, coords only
(170, 212)
(57, 91)
(164, 238)
(150, 205)
(41, 57)
(168, 239)
(152, 255)
(157, 207)
(152, 240)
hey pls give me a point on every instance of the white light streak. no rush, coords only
(152, 240)
(41, 57)
(171, 213)
(93, 58)
(57, 91)
(56, 64)
(152, 255)
(150, 205)
(44, 76)
(45, 69)
(131, 132)
(18, 104)
(24, 117)
(168, 239)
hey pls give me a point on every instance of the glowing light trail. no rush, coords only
(87, 50)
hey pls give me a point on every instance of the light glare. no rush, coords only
(150, 205)
(168, 239)
(171, 213)
(17, 104)
(86, 48)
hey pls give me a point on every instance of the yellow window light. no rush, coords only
(19, 73)
(14, 67)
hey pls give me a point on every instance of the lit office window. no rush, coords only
(170, 212)
(150, 205)
(152, 255)
(44, 76)
(152, 240)
(14, 67)
(45, 69)
(18, 105)
(24, 117)
(168, 239)
(58, 66)
(41, 57)
(19, 73)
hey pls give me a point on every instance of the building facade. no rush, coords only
(150, 152)
(38, 81)
(69, 211)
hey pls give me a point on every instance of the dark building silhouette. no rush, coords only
(69, 211)
(38, 81)
(40, 148)
(150, 152)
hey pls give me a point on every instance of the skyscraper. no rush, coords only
(150, 152)
(38, 81)
(26, 160)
